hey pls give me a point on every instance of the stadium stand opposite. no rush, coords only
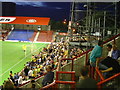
(33, 36)
(21, 35)
(45, 36)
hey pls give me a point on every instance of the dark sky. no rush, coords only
(54, 10)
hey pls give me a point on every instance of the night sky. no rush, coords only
(54, 10)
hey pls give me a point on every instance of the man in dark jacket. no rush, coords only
(48, 77)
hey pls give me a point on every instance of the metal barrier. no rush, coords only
(52, 85)
(57, 81)
(106, 80)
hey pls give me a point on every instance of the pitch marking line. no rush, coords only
(18, 62)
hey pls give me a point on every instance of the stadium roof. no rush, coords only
(25, 20)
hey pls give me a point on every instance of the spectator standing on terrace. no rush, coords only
(96, 56)
(26, 70)
(85, 81)
(48, 78)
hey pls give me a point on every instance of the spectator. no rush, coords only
(49, 56)
(26, 70)
(41, 72)
(48, 77)
(16, 77)
(8, 85)
(33, 84)
(11, 76)
(115, 52)
(35, 72)
(110, 62)
(79, 51)
(30, 73)
(85, 81)
(20, 80)
(33, 57)
(95, 56)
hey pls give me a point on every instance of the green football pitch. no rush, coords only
(13, 57)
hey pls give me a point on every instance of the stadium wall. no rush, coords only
(26, 27)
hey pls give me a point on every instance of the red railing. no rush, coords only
(113, 38)
(98, 73)
(61, 72)
(51, 85)
(106, 80)
(57, 81)
(72, 82)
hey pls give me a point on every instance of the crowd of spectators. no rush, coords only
(49, 56)
(3, 34)
(48, 60)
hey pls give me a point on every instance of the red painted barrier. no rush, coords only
(49, 86)
(108, 79)
(99, 73)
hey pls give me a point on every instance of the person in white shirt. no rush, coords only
(20, 80)
(110, 50)
(30, 73)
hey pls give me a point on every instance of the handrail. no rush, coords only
(86, 52)
(62, 72)
(68, 72)
(48, 86)
(108, 79)
(57, 82)
(65, 82)
(66, 59)
(99, 73)
(83, 53)
(111, 38)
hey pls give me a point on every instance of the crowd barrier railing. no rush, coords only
(58, 81)
(99, 84)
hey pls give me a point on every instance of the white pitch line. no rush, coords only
(17, 63)
(14, 65)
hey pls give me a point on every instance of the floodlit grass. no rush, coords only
(13, 57)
